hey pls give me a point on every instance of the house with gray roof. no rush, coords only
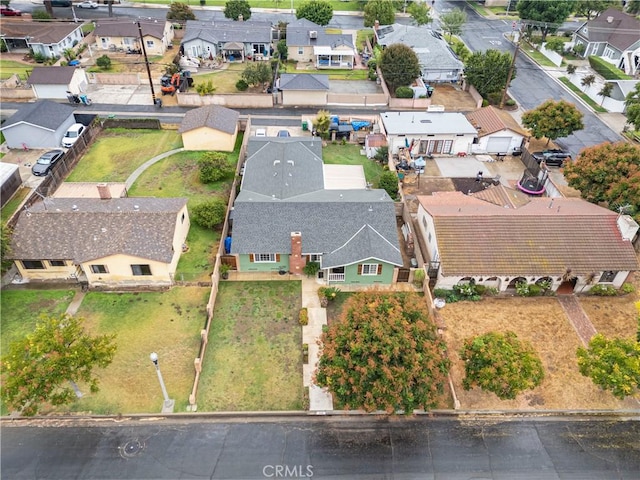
(614, 36)
(308, 42)
(303, 88)
(234, 41)
(287, 214)
(211, 127)
(123, 35)
(56, 82)
(41, 124)
(438, 63)
(102, 242)
(48, 39)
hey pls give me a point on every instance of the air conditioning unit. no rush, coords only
(313, 34)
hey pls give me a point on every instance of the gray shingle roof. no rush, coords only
(38, 32)
(97, 228)
(223, 31)
(43, 113)
(622, 32)
(127, 28)
(303, 81)
(51, 75)
(298, 35)
(212, 116)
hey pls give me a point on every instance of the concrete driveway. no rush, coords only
(354, 86)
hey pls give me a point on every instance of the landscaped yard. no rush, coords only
(542, 322)
(9, 67)
(168, 323)
(349, 154)
(118, 152)
(254, 355)
(11, 206)
(223, 80)
(334, 74)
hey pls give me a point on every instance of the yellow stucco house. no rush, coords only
(210, 128)
(108, 243)
(123, 35)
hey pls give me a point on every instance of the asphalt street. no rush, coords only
(323, 448)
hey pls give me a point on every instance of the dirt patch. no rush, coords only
(542, 322)
(412, 187)
(453, 98)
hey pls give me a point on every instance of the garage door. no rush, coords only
(498, 145)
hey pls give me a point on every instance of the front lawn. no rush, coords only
(117, 152)
(254, 355)
(9, 67)
(167, 323)
(582, 95)
(224, 81)
(349, 154)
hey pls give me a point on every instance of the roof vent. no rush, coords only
(313, 34)
(425, 120)
(370, 208)
(74, 208)
(276, 162)
(609, 19)
(136, 208)
(290, 162)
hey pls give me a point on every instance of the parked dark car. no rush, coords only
(552, 157)
(46, 162)
(9, 12)
(284, 133)
(342, 130)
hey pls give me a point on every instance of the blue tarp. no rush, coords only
(357, 125)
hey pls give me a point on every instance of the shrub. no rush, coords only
(104, 62)
(242, 85)
(40, 58)
(40, 14)
(404, 92)
(606, 69)
(522, 289)
(214, 166)
(209, 213)
(382, 155)
(205, 88)
(303, 317)
(418, 277)
(627, 288)
(494, 98)
(535, 290)
(603, 291)
(389, 182)
(510, 103)
(311, 269)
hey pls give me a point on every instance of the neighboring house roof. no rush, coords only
(44, 113)
(543, 237)
(7, 170)
(37, 32)
(417, 123)
(84, 229)
(303, 81)
(298, 35)
(613, 27)
(128, 28)
(212, 116)
(432, 51)
(500, 195)
(375, 140)
(51, 75)
(488, 120)
(283, 192)
(224, 31)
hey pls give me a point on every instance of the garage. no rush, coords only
(498, 144)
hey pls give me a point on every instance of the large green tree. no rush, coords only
(453, 21)
(257, 73)
(381, 10)
(633, 6)
(210, 213)
(546, 16)
(214, 166)
(45, 366)
(553, 120)
(180, 11)
(488, 71)
(632, 104)
(608, 173)
(593, 8)
(399, 65)
(612, 363)
(419, 12)
(501, 363)
(234, 8)
(316, 11)
(383, 354)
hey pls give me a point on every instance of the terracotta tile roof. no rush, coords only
(544, 237)
(489, 120)
(212, 116)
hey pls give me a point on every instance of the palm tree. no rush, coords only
(605, 91)
(587, 81)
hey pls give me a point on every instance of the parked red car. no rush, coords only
(9, 12)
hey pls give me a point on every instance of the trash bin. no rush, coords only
(305, 126)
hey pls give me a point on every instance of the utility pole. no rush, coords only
(146, 62)
(511, 68)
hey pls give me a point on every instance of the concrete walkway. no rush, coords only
(138, 171)
(319, 398)
(73, 307)
(578, 318)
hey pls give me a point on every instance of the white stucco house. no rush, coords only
(49, 39)
(54, 82)
(438, 133)
(498, 131)
(497, 241)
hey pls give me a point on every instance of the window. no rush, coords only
(150, 44)
(182, 219)
(608, 276)
(33, 265)
(99, 269)
(608, 52)
(300, 50)
(370, 268)
(315, 257)
(141, 269)
(429, 237)
(57, 263)
(424, 222)
(264, 257)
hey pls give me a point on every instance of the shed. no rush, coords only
(10, 181)
(38, 125)
(211, 127)
(55, 82)
(373, 142)
(303, 89)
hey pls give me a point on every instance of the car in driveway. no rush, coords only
(88, 4)
(46, 162)
(7, 11)
(552, 157)
(73, 134)
(284, 133)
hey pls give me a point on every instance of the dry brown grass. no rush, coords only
(542, 322)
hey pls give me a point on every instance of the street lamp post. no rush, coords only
(168, 404)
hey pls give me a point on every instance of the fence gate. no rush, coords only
(403, 275)
(229, 260)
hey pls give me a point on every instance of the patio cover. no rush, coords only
(326, 50)
(233, 46)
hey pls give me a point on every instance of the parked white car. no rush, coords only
(73, 134)
(87, 4)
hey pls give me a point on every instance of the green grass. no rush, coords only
(224, 81)
(334, 74)
(254, 355)
(168, 323)
(118, 152)
(12, 205)
(9, 67)
(361, 38)
(537, 57)
(582, 95)
(607, 70)
(349, 154)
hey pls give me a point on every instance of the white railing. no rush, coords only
(336, 277)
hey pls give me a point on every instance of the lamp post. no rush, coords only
(167, 406)
(157, 103)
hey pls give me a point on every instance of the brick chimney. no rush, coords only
(296, 261)
(103, 191)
